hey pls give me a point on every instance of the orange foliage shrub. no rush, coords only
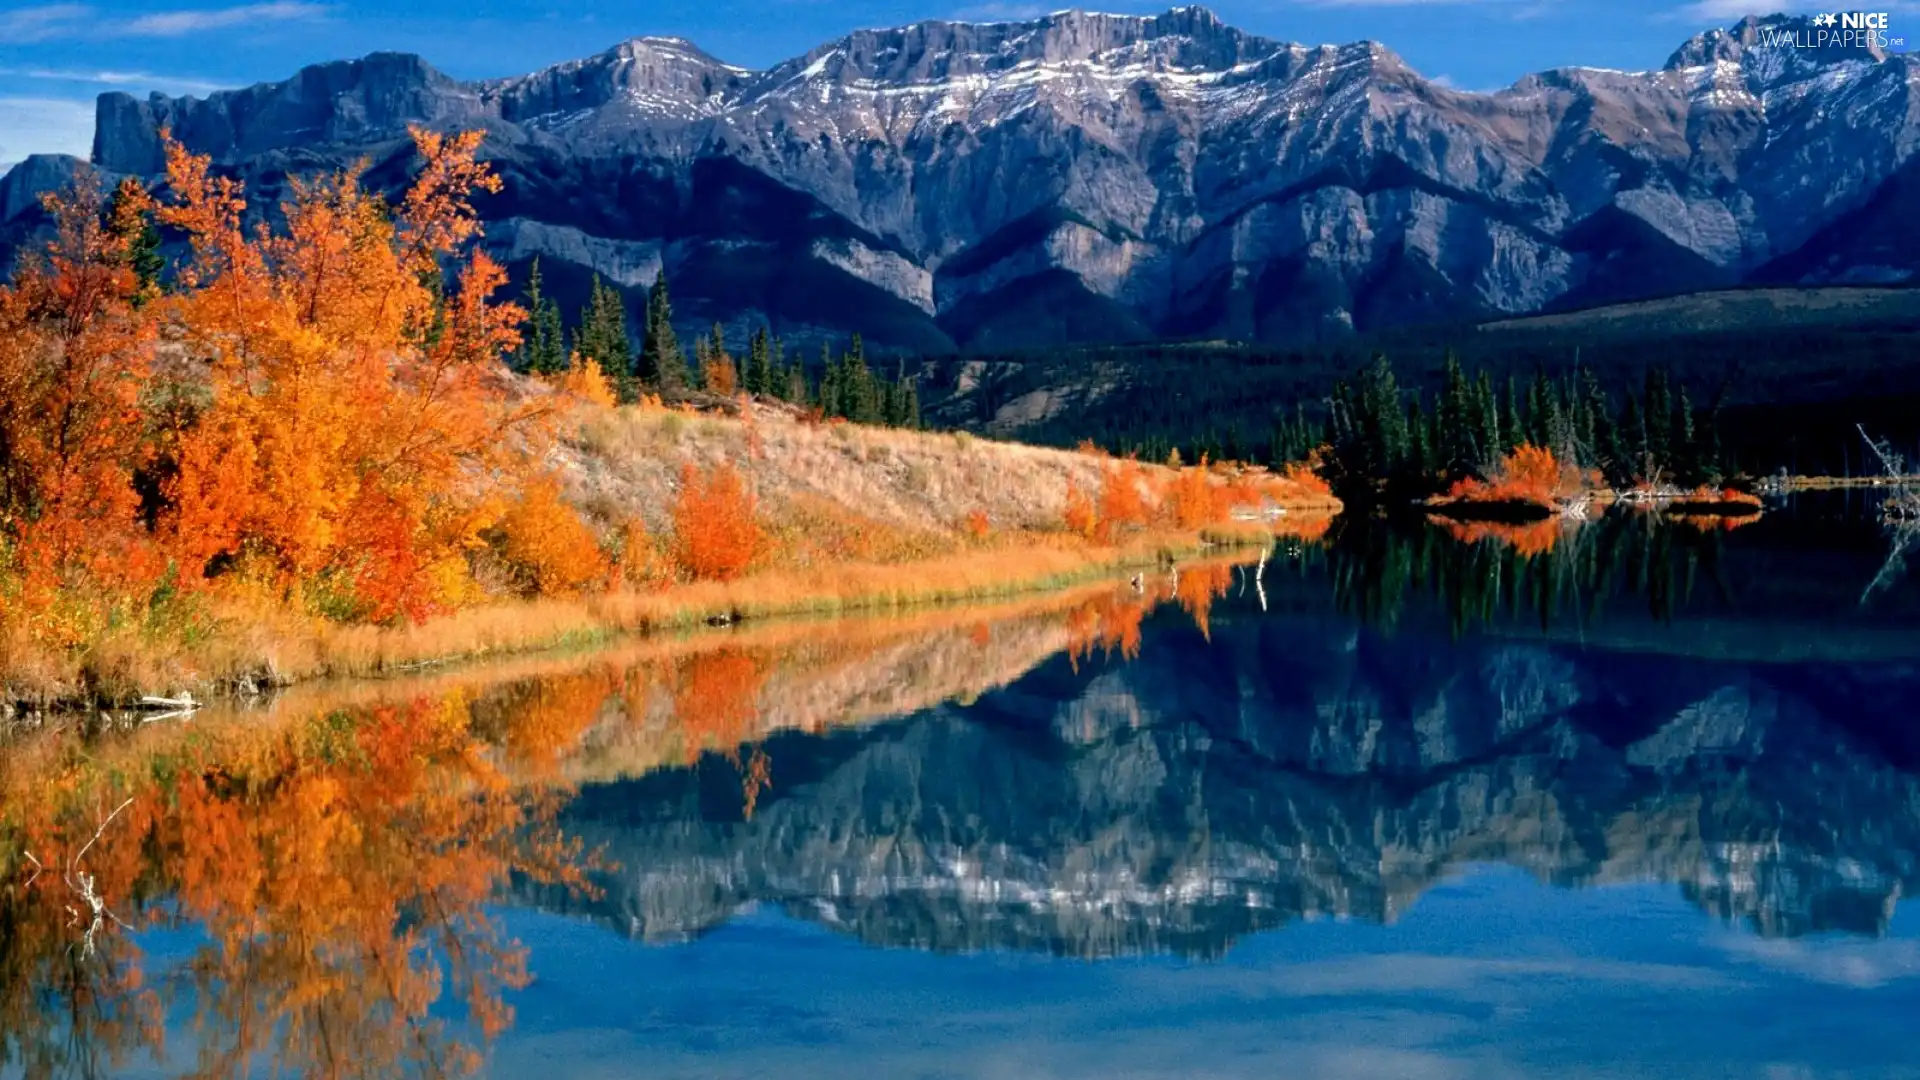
(1080, 516)
(1304, 482)
(717, 533)
(1194, 501)
(1121, 503)
(546, 542)
(1530, 474)
(1532, 468)
(585, 382)
(642, 564)
(978, 525)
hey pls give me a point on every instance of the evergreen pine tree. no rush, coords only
(553, 353)
(1512, 420)
(1493, 424)
(543, 349)
(143, 245)
(1459, 435)
(910, 405)
(1551, 429)
(1634, 465)
(758, 378)
(832, 401)
(1580, 425)
(889, 402)
(1657, 416)
(1420, 448)
(861, 401)
(797, 390)
(1534, 429)
(719, 374)
(603, 328)
(660, 363)
(1605, 442)
(1383, 422)
(1686, 465)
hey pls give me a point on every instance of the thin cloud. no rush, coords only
(1417, 3)
(1724, 12)
(1721, 11)
(1002, 12)
(114, 78)
(180, 23)
(48, 22)
(30, 24)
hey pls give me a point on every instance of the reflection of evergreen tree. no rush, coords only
(1378, 567)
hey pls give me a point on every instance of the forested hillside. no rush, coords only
(1790, 370)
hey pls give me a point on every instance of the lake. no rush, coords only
(1620, 800)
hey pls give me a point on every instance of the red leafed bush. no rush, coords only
(716, 526)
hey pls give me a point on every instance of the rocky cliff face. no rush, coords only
(1288, 769)
(1084, 177)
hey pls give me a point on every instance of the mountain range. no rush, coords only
(1087, 178)
(1288, 766)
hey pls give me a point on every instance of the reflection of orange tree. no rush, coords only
(716, 701)
(1528, 540)
(1307, 528)
(1199, 586)
(1708, 523)
(339, 867)
(1110, 623)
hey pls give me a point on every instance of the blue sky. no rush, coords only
(56, 56)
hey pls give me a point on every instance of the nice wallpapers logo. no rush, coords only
(1842, 30)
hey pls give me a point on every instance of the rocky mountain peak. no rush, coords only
(1776, 44)
(1190, 38)
(344, 101)
(662, 77)
(1083, 177)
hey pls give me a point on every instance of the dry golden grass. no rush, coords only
(861, 519)
(261, 644)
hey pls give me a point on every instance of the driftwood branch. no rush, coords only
(82, 883)
(1890, 460)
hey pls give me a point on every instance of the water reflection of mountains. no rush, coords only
(1295, 766)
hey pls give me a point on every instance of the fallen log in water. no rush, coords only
(183, 703)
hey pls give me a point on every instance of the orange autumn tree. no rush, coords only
(356, 395)
(75, 353)
(1121, 504)
(1193, 501)
(1080, 515)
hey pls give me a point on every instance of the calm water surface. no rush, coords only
(1620, 802)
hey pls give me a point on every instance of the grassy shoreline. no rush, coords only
(251, 651)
